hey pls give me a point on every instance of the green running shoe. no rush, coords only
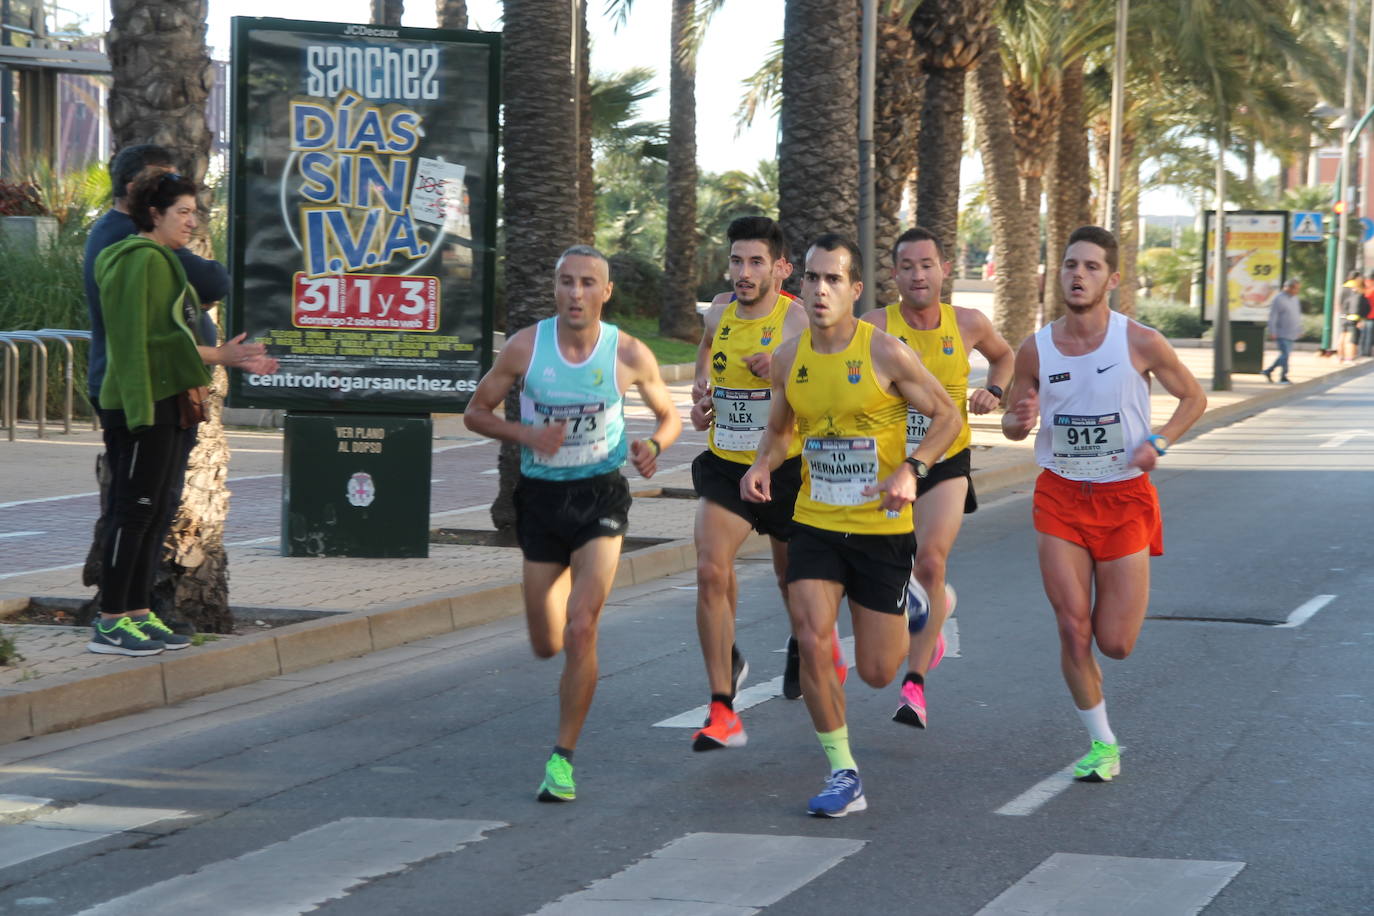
(153, 628)
(558, 785)
(1100, 764)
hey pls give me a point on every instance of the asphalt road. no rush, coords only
(404, 782)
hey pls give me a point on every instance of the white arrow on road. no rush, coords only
(1342, 438)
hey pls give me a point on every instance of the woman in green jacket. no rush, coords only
(154, 384)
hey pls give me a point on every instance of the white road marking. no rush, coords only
(1068, 884)
(22, 534)
(749, 696)
(35, 572)
(1304, 612)
(45, 499)
(1031, 799)
(297, 875)
(449, 448)
(62, 828)
(710, 873)
(1342, 438)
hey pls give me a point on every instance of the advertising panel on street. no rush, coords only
(363, 213)
(1256, 251)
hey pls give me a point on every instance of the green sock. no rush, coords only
(836, 747)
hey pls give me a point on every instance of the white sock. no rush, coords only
(1095, 721)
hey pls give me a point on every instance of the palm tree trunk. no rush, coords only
(818, 162)
(1130, 221)
(1015, 229)
(896, 132)
(1069, 185)
(678, 317)
(387, 12)
(160, 81)
(451, 14)
(586, 175)
(540, 188)
(939, 155)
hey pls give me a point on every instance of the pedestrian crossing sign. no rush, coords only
(1306, 226)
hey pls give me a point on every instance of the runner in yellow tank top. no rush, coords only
(845, 387)
(942, 335)
(731, 398)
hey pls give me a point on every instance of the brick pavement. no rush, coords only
(470, 583)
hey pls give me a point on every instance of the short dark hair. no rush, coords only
(131, 160)
(830, 241)
(1354, 275)
(918, 234)
(1099, 237)
(155, 189)
(759, 229)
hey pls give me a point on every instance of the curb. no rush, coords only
(74, 700)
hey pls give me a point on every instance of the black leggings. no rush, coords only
(145, 472)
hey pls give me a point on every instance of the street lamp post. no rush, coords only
(1118, 112)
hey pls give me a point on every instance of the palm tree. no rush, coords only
(950, 35)
(586, 173)
(897, 97)
(1015, 212)
(818, 163)
(160, 79)
(451, 14)
(540, 183)
(387, 12)
(679, 317)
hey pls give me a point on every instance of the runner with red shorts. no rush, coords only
(1086, 379)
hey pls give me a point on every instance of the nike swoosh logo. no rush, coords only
(1105, 368)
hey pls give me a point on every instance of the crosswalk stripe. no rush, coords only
(767, 690)
(297, 875)
(1068, 884)
(709, 873)
(54, 829)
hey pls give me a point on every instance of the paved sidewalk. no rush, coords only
(365, 605)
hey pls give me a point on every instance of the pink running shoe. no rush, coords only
(913, 709)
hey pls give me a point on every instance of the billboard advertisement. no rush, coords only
(363, 213)
(1256, 248)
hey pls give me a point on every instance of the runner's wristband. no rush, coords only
(658, 449)
(1160, 444)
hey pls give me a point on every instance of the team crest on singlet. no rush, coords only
(767, 336)
(802, 375)
(597, 376)
(718, 361)
(724, 332)
(854, 366)
(947, 345)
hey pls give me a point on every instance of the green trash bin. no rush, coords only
(356, 485)
(1247, 347)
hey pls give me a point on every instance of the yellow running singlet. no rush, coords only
(941, 350)
(741, 399)
(853, 435)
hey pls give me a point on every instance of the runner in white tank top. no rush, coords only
(1085, 379)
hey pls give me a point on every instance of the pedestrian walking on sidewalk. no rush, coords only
(572, 503)
(844, 387)
(1085, 378)
(151, 400)
(1285, 326)
(942, 336)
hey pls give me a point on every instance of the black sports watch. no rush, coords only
(917, 465)
(996, 390)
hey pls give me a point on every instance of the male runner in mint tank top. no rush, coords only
(1085, 378)
(572, 503)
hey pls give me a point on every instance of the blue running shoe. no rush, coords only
(843, 793)
(917, 603)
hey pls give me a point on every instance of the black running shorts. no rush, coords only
(555, 517)
(717, 480)
(873, 568)
(959, 464)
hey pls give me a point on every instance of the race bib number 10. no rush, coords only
(841, 469)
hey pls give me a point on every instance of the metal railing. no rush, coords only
(38, 375)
